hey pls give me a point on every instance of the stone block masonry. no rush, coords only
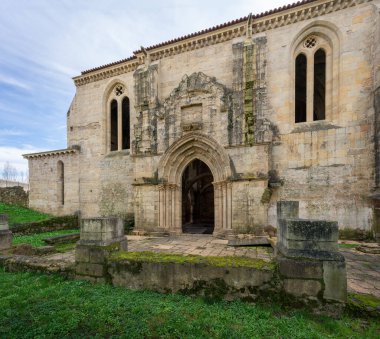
(5, 233)
(309, 262)
(99, 237)
(308, 267)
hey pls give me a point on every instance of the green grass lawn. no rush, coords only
(18, 214)
(348, 245)
(36, 239)
(44, 306)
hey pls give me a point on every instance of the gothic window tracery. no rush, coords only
(119, 119)
(310, 77)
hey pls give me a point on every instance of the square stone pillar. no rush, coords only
(309, 262)
(99, 237)
(5, 233)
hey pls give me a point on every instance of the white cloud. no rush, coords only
(44, 43)
(13, 82)
(13, 155)
(11, 132)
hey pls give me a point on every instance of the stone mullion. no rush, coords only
(309, 87)
(119, 126)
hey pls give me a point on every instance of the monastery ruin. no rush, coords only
(208, 132)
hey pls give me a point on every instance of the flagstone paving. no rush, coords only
(363, 270)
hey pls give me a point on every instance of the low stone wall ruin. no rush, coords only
(308, 268)
(14, 196)
(68, 222)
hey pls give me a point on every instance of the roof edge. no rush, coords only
(198, 33)
(51, 153)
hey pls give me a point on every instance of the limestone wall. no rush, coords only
(44, 184)
(328, 165)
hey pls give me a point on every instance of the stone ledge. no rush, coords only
(21, 263)
(310, 254)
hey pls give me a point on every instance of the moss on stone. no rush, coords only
(366, 299)
(355, 234)
(226, 261)
(363, 305)
(265, 198)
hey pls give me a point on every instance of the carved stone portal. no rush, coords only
(194, 146)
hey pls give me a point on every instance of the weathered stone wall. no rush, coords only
(14, 196)
(328, 165)
(44, 184)
(146, 207)
(249, 213)
(240, 92)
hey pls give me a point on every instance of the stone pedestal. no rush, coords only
(99, 237)
(309, 262)
(5, 233)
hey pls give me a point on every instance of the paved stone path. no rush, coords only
(204, 245)
(363, 270)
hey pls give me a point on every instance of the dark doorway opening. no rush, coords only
(197, 199)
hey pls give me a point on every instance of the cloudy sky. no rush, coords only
(44, 43)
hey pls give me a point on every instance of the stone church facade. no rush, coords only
(207, 132)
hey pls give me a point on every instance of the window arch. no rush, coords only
(61, 182)
(119, 119)
(315, 64)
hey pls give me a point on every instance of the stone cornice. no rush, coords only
(50, 153)
(302, 13)
(281, 17)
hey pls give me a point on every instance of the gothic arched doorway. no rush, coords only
(194, 146)
(197, 198)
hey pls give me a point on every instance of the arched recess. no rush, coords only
(328, 36)
(60, 183)
(171, 167)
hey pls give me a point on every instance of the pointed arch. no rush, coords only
(315, 36)
(171, 168)
(194, 146)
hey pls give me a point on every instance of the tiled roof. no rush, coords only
(208, 30)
